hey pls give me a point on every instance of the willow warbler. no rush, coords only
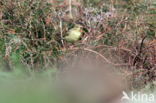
(74, 34)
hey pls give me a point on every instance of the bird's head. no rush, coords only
(78, 27)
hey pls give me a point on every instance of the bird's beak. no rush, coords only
(81, 30)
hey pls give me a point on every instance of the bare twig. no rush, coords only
(137, 57)
(70, 8)
(61, 31)
(103, 57)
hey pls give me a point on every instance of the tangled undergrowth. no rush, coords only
(122, 33)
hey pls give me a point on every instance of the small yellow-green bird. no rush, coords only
(74, 34)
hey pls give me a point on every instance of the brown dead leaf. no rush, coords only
(11, 31)
(152, 44)
(1, 15)
(48, 20)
